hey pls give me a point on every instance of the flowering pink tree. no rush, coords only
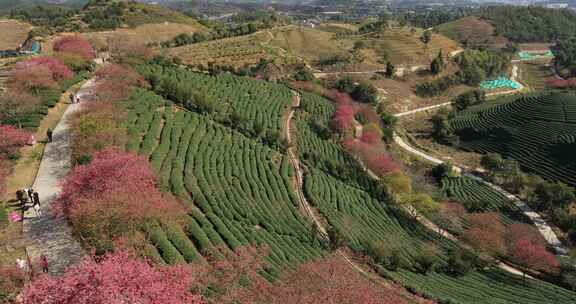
(75, 45)
(39, 73)
(12, 140)
(370, 137)
(11, 282)
(562, 83)
(519, 231)
(485, 233)
(330, 280)
(58, 69)
(533, 255)
(118, 278)
(382, 164)
(115, 82)
(370, 115)
(112, 197)
(32, 78)
(343, 117)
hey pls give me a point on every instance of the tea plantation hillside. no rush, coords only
(478, 197)
(239, 189)
(537, 131)
(365, 219)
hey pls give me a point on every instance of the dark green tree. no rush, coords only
(390, 69)
(426, 37)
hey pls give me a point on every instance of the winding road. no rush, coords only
(543, 227)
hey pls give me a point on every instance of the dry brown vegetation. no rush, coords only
(236, 51)
(12, 33)
(472, 29)
(140, 35)
(149, 33)
(296, 43)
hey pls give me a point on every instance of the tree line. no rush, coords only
(475, 67)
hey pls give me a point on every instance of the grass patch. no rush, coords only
(535, 74)
(13, 33)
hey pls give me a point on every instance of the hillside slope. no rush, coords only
(296, 43)
(13, 33)
(472, 31)
(520, 24)
(538, 131)
(101, 15)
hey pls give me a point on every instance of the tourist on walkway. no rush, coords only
(20, 197)
(72, 98)
(36, 203)
(29, 192)
(77, 99)
(49, 135)
(44, 263)
(21, 264)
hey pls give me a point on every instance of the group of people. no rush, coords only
(25, 265)
(74, 99)
(29, 194)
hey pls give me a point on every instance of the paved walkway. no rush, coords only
(47, 234)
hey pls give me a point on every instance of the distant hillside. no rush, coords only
(320, 47)
(531, 24)
(7, 5)
(101, 15)
(109, 14)
(515, 23)
(472, 31)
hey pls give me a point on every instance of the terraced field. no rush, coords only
(489, 287)
(236, 51)
(322, 152)
(238, 189)
(538, 131)
(362, 218)
(240, 192)
(256, 102)
(482, 198)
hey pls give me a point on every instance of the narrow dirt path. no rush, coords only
(294, 160)
(423, 109)
(45, 233)
(305, 205)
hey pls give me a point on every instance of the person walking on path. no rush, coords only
(20, 197)
(30, 192)
(44, 263)
(36, 203)
(49, 135)
(72, 98)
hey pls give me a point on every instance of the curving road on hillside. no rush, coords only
(422, 219)
(543, 227)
